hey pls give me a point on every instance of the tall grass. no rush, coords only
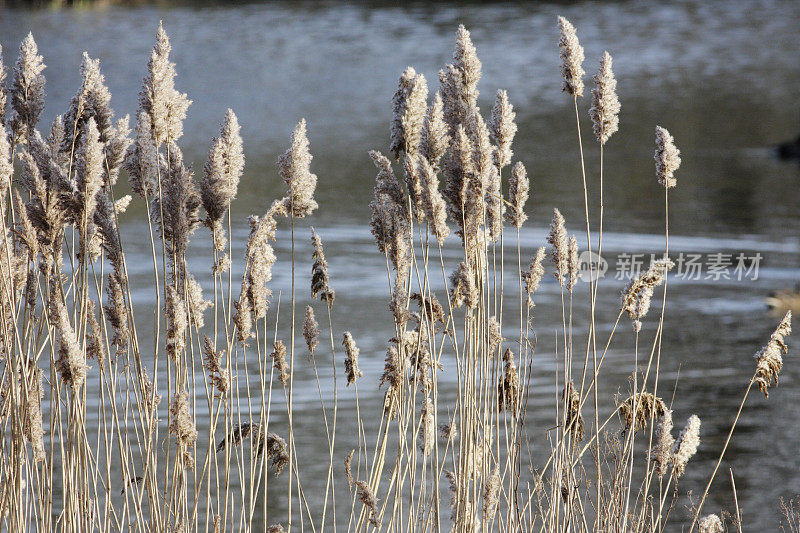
(100, 422)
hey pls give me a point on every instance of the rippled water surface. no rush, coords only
(723, 77)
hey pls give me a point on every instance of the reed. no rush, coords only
(88, 445)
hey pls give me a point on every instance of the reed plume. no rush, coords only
(667, 158)
(222, 171)
(509, 391)
(348, 467)
(295, 169)
(433, 203)
(662, 454)
(459, 81)
(71, 362)
(32, 424)
(686, 445)
(574, 424)
(259, 260)
(27, 89)
(648, 407)
(278, 356)
(560, 251)
(278, 452)
(177, 323)
(637, 295)
(573, 264)
(769, 358)
(93, 101)
(605, 104)
(571, 58)
(182, 426)
(217, 373)
(351, 358)
(710, 524)
(534, 273)
(241, 432)
(518, 190)
(367, 497)
(177, 210)
(503, 128)
(434, 137)
(158, 97)
(142, 161)
(491, 493)
(310, 330)
(463, 289)
(320, 282)
(408, 108)
(95, 348)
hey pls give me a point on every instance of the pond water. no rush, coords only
(723, 77)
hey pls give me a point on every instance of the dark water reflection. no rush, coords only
(723, 77)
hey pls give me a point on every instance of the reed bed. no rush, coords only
(462, 462)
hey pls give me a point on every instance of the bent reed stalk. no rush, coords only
(88, 444)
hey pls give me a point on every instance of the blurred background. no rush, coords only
(723, 77)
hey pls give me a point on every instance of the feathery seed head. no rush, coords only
(142, 159)
(223, 169)
(182, 426)
(434, 137)
(196, 304)
(647, 407)
(503, 127)
(310, 330)
(572, 405)
(770, 357)
(278, 452)
(519, 188)
(217, 373)
(351, 358)
(508, 389)
(573, 266)
(560, 252)
(90, 163)
(158, 96)
(93, 100)
(367, 497)
(605, 104)
(176, 323)
(463, 288)
(637, 295)
(667, 158)
(571, 58)
(27, 89)
(427, 436)
(348, 467)
(409, 105)
(710, 524)
(279, 361)
(320, 281)
(295, 169)
(533, 276)
(71, 362)
(459, 80)
(686, 445)
(662, 454)
(432, 201)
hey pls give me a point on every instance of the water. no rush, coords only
(721, 76)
